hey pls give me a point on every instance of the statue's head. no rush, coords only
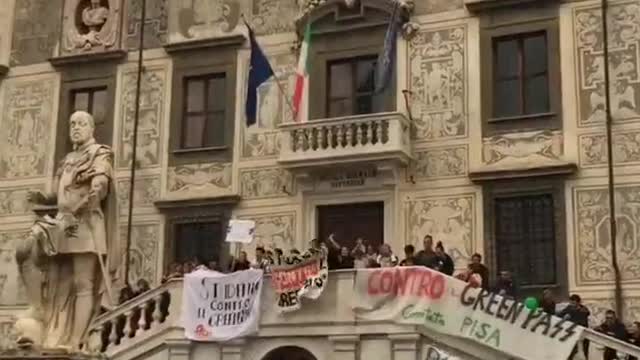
(95, 4)
(81, 127)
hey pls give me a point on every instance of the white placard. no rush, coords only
(221, 307)
(241, 231)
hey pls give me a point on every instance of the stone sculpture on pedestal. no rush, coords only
(69, 263)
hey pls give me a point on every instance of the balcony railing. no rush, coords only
(360, 138)
(156, 314)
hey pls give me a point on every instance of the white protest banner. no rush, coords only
(241, 231)
(293, 282)
(220, 307)
(421, 296)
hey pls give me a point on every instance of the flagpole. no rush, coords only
(613, 231)
(277, 81)
(134, 141)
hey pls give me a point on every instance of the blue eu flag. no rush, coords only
(386, 60)
(259, 71)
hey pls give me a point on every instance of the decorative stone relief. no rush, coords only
(13, 202)
(36, 31)
(11, 288)
(90, 26)
(202, 19)
(624, 39)
(8, 335)
(626, 149)
(152, 114)
(155, 27)
(276, 230)
(143, 258)
(593, 247)
(273, 16)
(266, 183)
(27, 120)
(437, 78)
(522, 148)
(444, 162)
(261, 140)
(450, 219)
(199, 180)
(145, 193)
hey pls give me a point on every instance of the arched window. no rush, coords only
(289, 353)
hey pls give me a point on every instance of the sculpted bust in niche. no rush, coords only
(90, 27)
(94, 16)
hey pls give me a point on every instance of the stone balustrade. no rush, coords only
(359, 138)
(156, 314)
(143, 315)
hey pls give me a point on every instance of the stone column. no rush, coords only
(345, 347)
(405, 346)
(179, 349)
(232, 350)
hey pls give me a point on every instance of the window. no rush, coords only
(204, 112)
(520, 76)
(351, 86)
(199, 241)
(525, 238)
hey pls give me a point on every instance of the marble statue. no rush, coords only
(69, 263)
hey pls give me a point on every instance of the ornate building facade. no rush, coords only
(491, 137)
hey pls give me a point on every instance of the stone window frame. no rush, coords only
(79, 78)
(551, 120)
(339, 34)
(195, 62)
(194, 211)
(553, 186)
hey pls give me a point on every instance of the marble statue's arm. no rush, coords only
(45, 198)
(100, 181)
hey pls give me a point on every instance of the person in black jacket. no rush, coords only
(614, 328)
(579, 314)
(444, 261)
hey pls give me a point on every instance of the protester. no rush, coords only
(386, 257)
(262, 262)
(360, 246)
(444, 262)
(142, 286)
(505, 285)
(240, 263)
(409, 253)
(360, 261)
(371, 253)
(427, 257)
(579, 314)
(278, 257)
(548, 302)
(344, 260)
(477, 267)
(614, 328)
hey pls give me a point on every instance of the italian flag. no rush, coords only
(300, 96)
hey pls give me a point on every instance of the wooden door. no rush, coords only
(349, 221)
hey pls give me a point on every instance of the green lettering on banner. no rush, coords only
(481, 331)
(426, 316)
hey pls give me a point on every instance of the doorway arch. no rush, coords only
(289, 353)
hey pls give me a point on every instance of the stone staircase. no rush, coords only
(152, 320)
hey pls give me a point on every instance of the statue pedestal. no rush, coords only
(30, 354)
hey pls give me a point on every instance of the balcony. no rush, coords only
(370, 138)
(150, 322)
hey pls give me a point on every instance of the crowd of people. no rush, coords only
(365, 255)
